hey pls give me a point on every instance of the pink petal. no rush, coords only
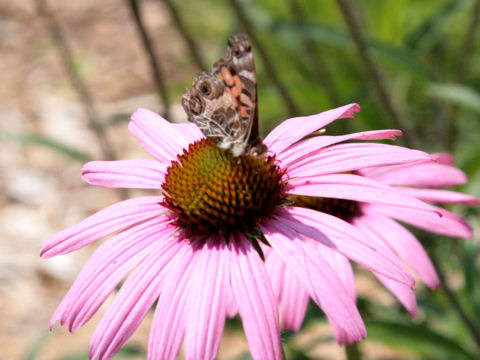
(302, 258)
(289, 291)
(444, 158)
(255, 299)
(292, 130)
(342, 268)
(104, 222)
(402, 241)
(357, 188)
(190, 131)
(441, 196)
(206, 309)
(430, 174)
(106, 268)
(403, 293)
(133, 301)
(346, 239)
(308, 147)
(148, 174)
(342, 336)
(157, 136)
(349, 157)
(293, 303)
(232, 308)
(449, 224)
(276, 271)
(168, 325)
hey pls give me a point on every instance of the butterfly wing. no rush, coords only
(223, 102)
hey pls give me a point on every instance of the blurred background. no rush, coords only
(72, 72)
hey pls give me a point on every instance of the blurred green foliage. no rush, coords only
(432, 77)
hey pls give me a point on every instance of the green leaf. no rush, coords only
(417, 338)
(340, 39)
(467, 157)
(470, 268)
(431, 28)
(472, 251)
(456, 94)
(33, 139)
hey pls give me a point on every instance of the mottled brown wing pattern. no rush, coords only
(223, 102)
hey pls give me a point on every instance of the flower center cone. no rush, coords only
(211, 192)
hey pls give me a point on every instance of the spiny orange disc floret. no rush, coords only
(211, 192)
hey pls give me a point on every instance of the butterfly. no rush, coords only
(223, 101)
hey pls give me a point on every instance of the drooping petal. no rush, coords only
(255, 299)
(404, 294)
(342, 268)
(104, 222)
(157, 136)
(301, 256)
(346, 239)
(106, 268)
(349, 157)
(429, 174)
(441, 196)
(357, 188)
(206, 309)
(141, 173)
(133, 301)
(293, 303)
(402, 241)
(449, 224)
(289, 291)
(311, 146)
(168, 325)
(292, 130)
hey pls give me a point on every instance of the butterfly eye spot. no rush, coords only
(205, 88)
(195, 105)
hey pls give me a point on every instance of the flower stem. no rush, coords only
(352, 352)
(452, 298)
